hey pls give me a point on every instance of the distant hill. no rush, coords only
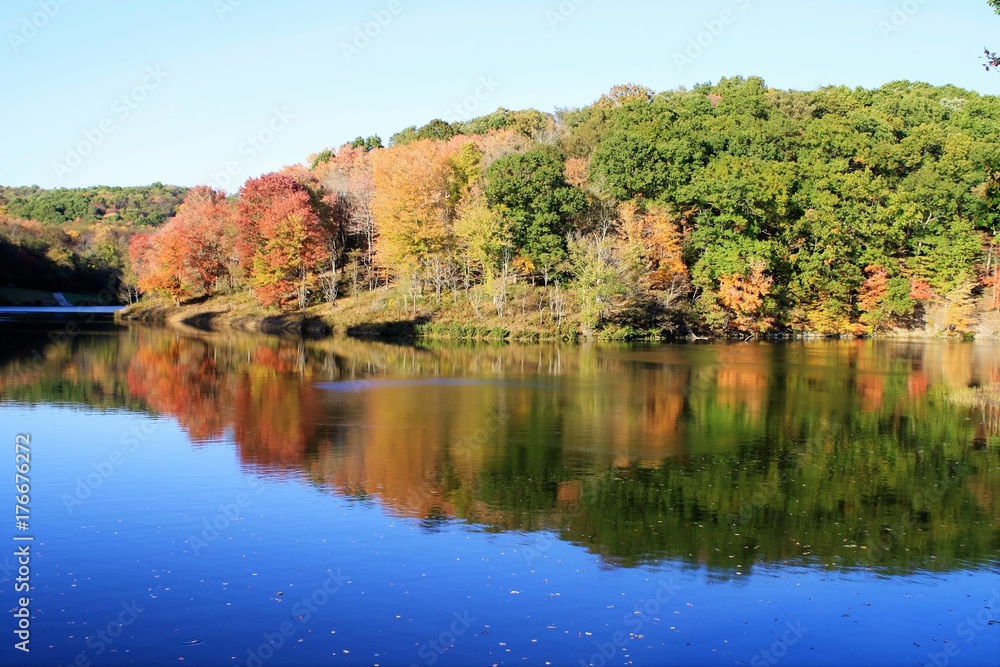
(145, 205)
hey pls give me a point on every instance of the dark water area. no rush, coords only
(55, 321)
(238, 500)
(49, 313)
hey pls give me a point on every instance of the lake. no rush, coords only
(229, 499)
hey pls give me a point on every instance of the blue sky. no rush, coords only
(215, 91)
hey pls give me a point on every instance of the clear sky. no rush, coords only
(117, 92)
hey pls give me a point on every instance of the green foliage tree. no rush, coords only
(633, 167)
(367, 143)
(530, 192)
(437, 130)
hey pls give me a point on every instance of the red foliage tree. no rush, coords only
(282, 239)
(209, 230)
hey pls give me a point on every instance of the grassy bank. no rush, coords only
(382, 313)
(528, 316)
(238, 312)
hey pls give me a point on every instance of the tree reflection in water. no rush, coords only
(843, 454)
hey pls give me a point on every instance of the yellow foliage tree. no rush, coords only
(412, 203)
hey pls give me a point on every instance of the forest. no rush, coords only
(77, 239)
(728, 209)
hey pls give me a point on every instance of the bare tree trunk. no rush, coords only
(331, 284)
(475, 298)
(558, 303)
(500, 294)
(303, 294)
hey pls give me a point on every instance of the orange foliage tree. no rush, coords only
(210, 233)
(743, 297)
(157, 259)
(664, 242)
(872, 293)
(658, 240)
(188, 254)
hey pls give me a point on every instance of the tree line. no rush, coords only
(145, 205)
(730, 208)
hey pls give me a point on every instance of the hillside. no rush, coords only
(76, 239)
(729, 209)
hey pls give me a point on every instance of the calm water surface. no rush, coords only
(234, 500)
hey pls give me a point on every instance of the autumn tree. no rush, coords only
(733, 206)
(658, 242)
(483, 241)
(626, 93)
(282, 242)
(159, 261)
(413, 206)
(496, 144)
(347, 174)
(883, 299)
(188, 254)
(743, 296)
(207, 217)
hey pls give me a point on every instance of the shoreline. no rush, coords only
(220, 314)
